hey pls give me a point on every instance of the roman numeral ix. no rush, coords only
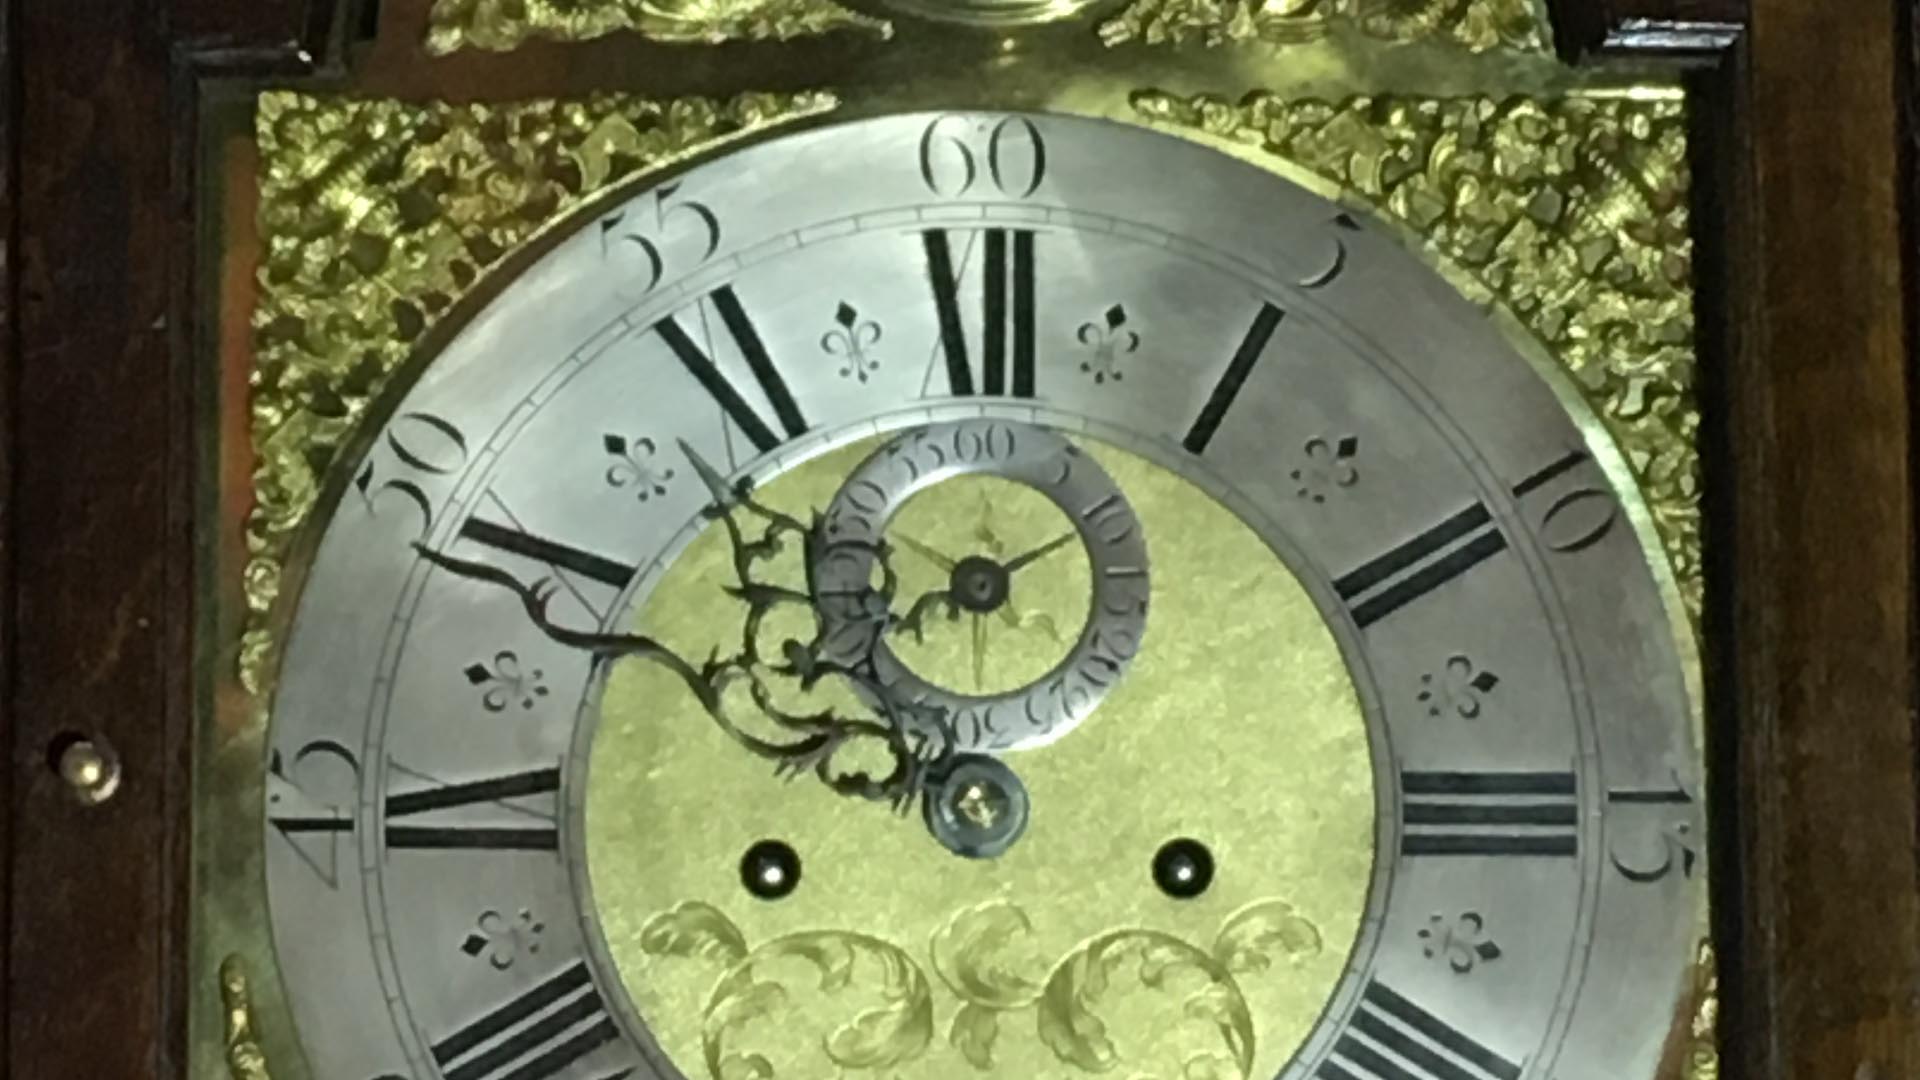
(747, 338)
(1391, 1038)
(533, 1036)
(467, 837)
(1006, 311)
(1489, 813)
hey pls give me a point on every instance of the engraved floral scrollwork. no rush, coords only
(1571, 213)
(1127, 963)
(500, 25)
(981, 955)
(1476, 25)
(375, 218)
(1161, 1006)
(245, 1059)
(759, 996)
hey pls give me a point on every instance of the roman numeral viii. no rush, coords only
(1489, 813)
(1006, 311)
(747, 339)
(468, 837)
(1391, 1038)
(533, 1036)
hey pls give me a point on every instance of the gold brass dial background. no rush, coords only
(1556, 197)
(1238, 725)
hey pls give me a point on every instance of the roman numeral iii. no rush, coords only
(1489, 813)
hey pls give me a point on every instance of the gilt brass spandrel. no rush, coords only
(1703, 1044)
(1569, 213)
(1060, 958)
(499, 25)
(376, 217)
(245, 1059)
(1474, 25)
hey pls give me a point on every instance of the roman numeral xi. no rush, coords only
(747, 339)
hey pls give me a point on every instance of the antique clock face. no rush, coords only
(982, 594)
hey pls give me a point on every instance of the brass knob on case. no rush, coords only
(91, 770)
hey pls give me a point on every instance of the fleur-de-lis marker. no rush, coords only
(850, 341)
(1329, 466)
(1462, 942)
(501, 940)
(1457, 687)
(1111, 340)
(505, 682)
(634, 466)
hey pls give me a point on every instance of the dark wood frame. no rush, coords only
(1808, 236)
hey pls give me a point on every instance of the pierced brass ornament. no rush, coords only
(1570, 213)
(375, 218)
(1703, 1049)
(245, 1059)
(501, 25)
(1475, 25)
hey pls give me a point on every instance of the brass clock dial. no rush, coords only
(983, 594)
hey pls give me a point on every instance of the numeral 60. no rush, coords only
(950, 152)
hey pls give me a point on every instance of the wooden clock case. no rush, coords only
(1806, 243)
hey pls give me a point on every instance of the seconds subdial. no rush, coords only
(1046, 708)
